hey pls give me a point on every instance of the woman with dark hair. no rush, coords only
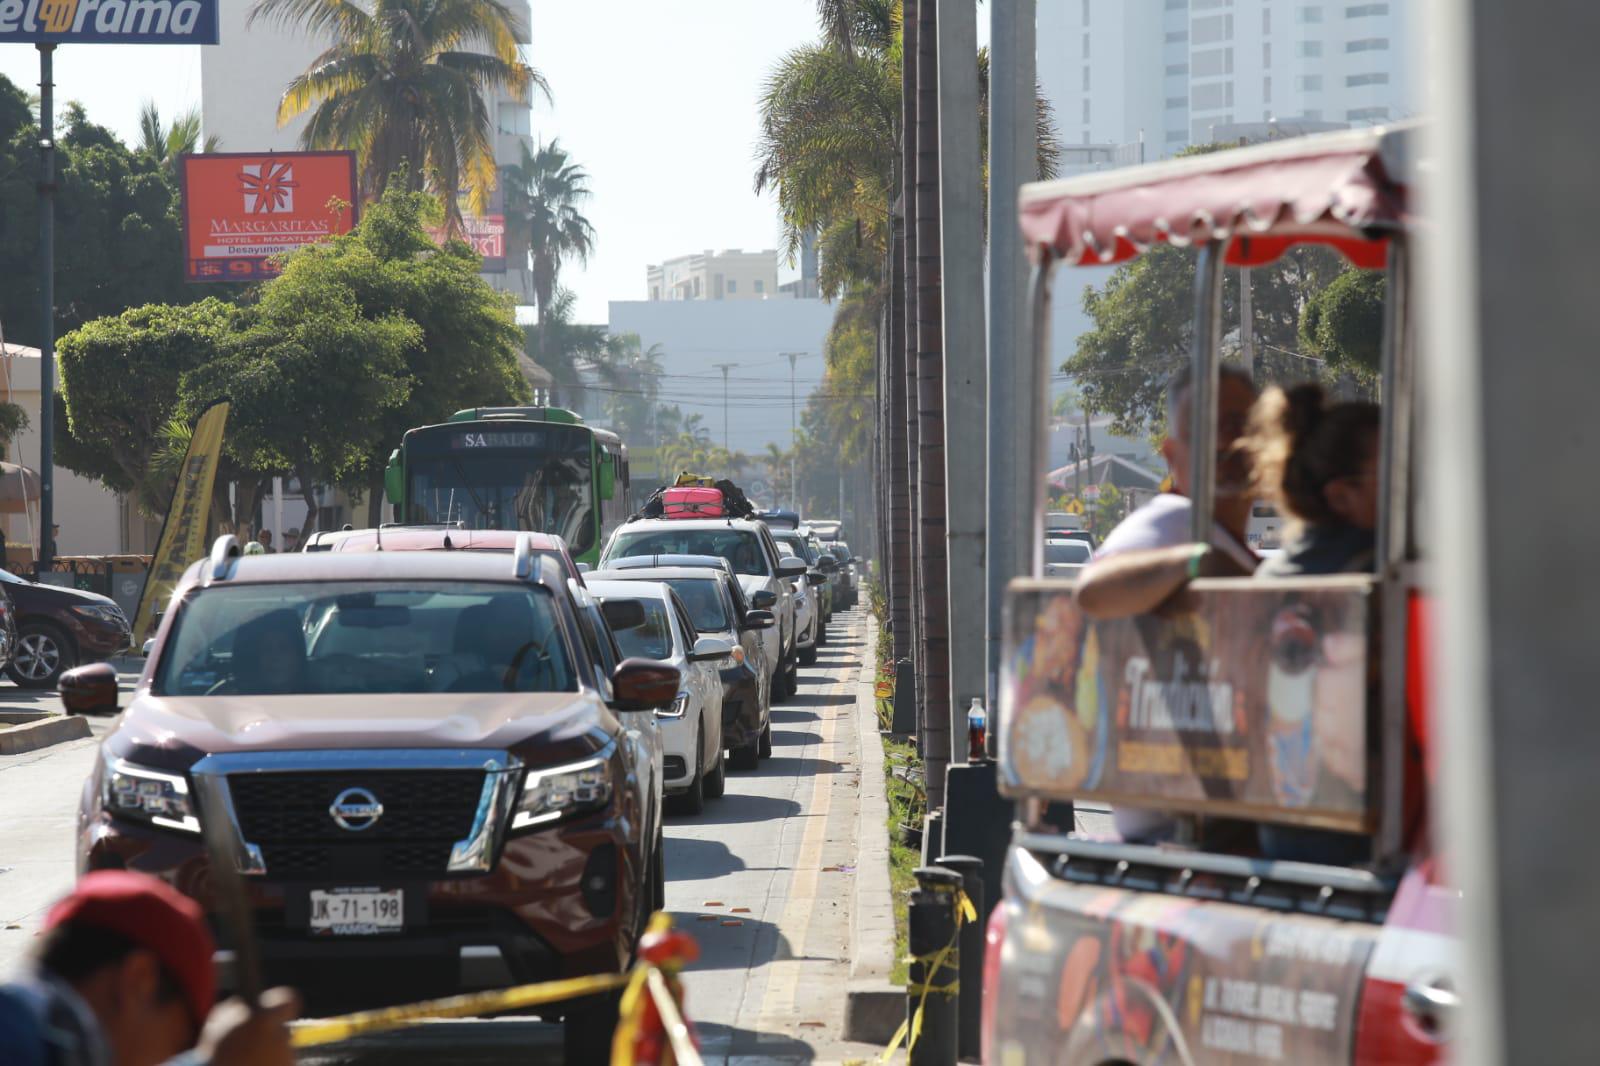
(1318, 461)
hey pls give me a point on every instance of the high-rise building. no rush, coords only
(243, 78)
(708, 275)
(1144, 79)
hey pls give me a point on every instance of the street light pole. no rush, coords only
(725, 367)
(47, 300)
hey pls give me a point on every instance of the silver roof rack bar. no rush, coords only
(223, 552)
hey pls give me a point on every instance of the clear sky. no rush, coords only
(656, 98)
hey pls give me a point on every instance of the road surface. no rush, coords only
(763, 879)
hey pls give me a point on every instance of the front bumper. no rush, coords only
(678, 753)
(557, 902)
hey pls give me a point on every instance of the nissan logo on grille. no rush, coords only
(356, 809)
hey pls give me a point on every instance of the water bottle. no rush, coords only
(977, 732)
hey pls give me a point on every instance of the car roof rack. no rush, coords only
(651, 562)
(223, 551)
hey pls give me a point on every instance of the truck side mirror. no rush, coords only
(89, 689)
(394, 479)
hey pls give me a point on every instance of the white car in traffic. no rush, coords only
(691, 729)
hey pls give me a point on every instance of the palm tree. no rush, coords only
(165, 143)
(543, 194)
(404, 84)
(568, 350)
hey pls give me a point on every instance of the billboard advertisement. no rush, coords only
(240, 211)
(487, 235)
(1248, 702)
(108, 21)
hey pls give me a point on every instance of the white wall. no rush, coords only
(695, 335)
(242, 79)
(93, 520)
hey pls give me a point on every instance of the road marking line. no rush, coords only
(777, 1005)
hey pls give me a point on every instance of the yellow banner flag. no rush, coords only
(183, 534)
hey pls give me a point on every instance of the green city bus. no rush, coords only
(528, 468)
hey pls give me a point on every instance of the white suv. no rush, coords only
(764, 574)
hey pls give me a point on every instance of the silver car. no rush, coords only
(691, 729)
(763, 574)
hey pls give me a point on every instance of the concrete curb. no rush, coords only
(874, 1008)
(48, 730)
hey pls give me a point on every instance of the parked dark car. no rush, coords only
(57, 628)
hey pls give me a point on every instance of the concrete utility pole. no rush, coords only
(794, 433)
(1509, 381)
(965, 387)
(1247, 322)
(725, 367)
(1012, 161)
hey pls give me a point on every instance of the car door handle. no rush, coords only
(1432, 1005)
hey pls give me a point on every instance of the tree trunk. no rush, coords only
(930, 399)
(908, 136)
(308, 493)
(897, 564)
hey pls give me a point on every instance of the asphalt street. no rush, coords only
(762, 879)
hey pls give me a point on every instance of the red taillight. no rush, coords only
(993, 944)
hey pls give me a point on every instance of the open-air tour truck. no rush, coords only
(1291, 702)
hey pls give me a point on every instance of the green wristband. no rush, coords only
(1196, 558)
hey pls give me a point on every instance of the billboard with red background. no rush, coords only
(242, 210)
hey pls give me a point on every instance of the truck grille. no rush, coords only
(425, 812)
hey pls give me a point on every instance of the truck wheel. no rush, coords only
(589, 1026)
(717, 779)
(764, 749)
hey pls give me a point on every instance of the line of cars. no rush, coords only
(441, 758)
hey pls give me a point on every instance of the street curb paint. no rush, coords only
(47, 732)
(873, 1007)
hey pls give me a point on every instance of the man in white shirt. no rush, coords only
(1149, 556)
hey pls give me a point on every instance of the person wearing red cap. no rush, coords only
(123, 976)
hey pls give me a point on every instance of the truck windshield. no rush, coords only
(740, 547)
(340, 638)
(539, 480)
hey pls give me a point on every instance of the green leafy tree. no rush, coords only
(406, 84)
(310, 380)
(468, 337)
(118, 237)
(1343, 324)
(168, 143)
(1143, 330)
(545, 193)
(120, 379)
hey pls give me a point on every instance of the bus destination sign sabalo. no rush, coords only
(108, 21)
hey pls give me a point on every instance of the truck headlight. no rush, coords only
(561, 790)
(140, 794)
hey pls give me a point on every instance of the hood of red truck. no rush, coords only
(172, 732)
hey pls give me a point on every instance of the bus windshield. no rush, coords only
(539, 480)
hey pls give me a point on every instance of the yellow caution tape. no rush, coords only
(965, 912)
(348, 1026)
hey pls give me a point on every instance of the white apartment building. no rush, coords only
(1132, 79)
(709, 275)
(242, 80)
